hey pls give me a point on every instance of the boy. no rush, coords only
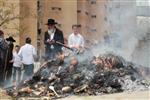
(76, 40)
(16, 65)
(27, 53)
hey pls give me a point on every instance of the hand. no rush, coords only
(11, 61)
(48, 41)
(52, 41)
(76, 47)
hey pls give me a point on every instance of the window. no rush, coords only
(142, 2)
(143, 8)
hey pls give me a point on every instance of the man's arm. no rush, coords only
(3, 44)
(61, 37)
(35, 56)
(20, 53)
(46, 39)
(70, 42)
(12, 61)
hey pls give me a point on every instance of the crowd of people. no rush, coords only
(15, 59)
(12, 63)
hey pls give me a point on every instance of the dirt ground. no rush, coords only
(142, 95)
(3, 96)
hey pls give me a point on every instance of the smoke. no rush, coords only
(123, 33)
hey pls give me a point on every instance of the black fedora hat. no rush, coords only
(10, 39)
(51, 22)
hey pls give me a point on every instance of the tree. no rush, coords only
(7, 13)
(10, 14)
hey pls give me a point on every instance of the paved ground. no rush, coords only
(144, 95)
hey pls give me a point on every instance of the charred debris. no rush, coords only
(104, 74)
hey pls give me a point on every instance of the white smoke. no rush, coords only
(123, 34)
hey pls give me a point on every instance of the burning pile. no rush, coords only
(104, 74)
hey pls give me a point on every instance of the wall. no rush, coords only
(91, 16)
(28, 23)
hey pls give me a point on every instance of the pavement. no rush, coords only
(142, 95)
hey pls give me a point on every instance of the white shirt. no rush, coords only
(16, 60)
(27, 53)
(75, 40)
(51, 33)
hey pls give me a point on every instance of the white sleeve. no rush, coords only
(70, 41)
(20, 53)
(13, 57)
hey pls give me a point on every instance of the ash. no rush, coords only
(104, 74)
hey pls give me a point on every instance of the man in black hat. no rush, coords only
(51, 36)
(3, 49)
(9, 57)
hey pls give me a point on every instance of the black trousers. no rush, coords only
(8, 74)
(1, 75)
(1, 71)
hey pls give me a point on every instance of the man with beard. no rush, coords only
(51, 36)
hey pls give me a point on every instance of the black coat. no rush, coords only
(3, 53)
(10, 56)
(58, 36)
(3, 49)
